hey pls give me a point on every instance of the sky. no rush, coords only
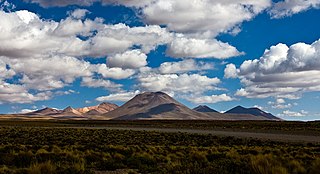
(220, 53)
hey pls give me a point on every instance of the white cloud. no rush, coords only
(202, 16)
(280, 101)
(6, 6)
(259, 107)
(198, 17)
(128, 60)
(24, 111)
(210, 99)
(5, 72)
(12, 93)
(103, 83)
(182, 47)
(68, 92)
(114, 73)
(79, 13)
(54, 50)
(48, 72)
(293, 113)
(174, 83)
(291, 7)
(34, 37)
(184, 66)
(280, 104)
(124, 97)
(282, 72)
(230, 71)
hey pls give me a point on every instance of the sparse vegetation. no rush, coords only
(30, 149)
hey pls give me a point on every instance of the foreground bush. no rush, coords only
(54, 150)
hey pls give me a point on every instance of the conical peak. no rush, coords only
(204, 108)
(238, 107)
(69, 108)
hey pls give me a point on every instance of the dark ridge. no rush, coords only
(203, 108)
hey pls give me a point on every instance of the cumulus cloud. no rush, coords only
(114, 73)
(55, 51)
(50, 72)
(123, 96)
(282, 72)
(293, 113)
(182, 47)
(24, 31)
(230, 71)
(100, 83)
(79, 13)
(210, 99)
(24, 111)
(199, 17)
(183, 83)
(13, 93)
(280, 104)
(131, 59)
(183, 66)
(5, 72)
(202, 16)
(291, 7)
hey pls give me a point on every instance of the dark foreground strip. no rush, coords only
(263, 136)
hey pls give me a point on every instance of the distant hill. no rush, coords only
(203, 108)
(88, 112)
(148, 105)
(102, 108)
(252, 111)
(155, 105)
(70, 111)
(45, 111)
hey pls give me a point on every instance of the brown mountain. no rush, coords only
(204, 108)
(155, 105)
(252, 111)
(70, 111)
(149, 105)
(45, 111)
(102, 108)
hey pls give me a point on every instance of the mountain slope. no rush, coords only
(203, 108)
(85, 113)
(70, 111)
(252, 111)
(154, 105)
(44, 111)
(102, 108)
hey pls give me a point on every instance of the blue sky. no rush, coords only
(251, 53)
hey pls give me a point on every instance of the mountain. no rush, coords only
(106, 107)
(203, 108)
(99, 109)
(70, 111)
(45, 111)
(89, 112)
(252, 111)
(149, 105)
(155, 105)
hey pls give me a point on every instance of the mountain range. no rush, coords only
(147, 106)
